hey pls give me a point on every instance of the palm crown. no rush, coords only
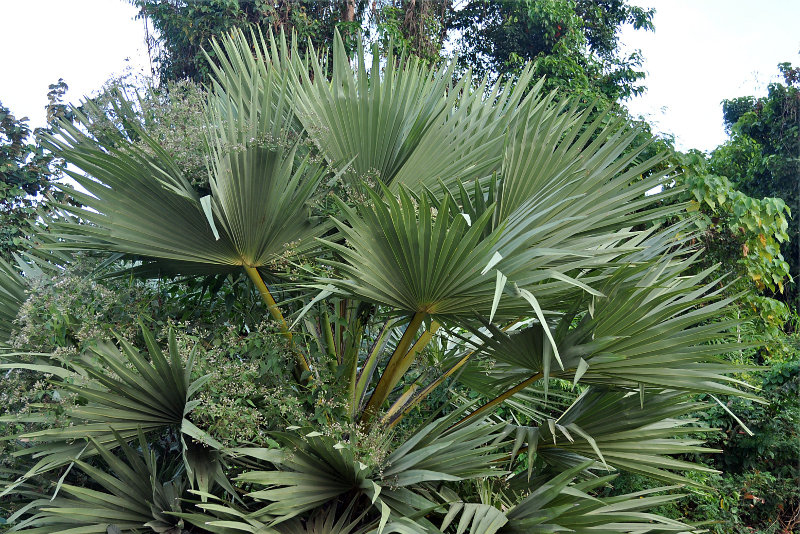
(507, 231)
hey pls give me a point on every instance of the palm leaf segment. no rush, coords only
(403, 123)
(12, 295)
(127, 392)
(139, 203)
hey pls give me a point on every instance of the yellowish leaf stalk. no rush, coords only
(403, 400)
(359, 381)
(330, 346)
(500, 399)
(391, 375)
(399, 409)
(276, 314)
(408, 359)
(416, 348)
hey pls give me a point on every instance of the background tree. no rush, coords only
(185, 28)
(27, 171)
(744, 233)
(762, 158)
(575, 43)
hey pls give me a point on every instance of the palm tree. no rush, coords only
(505, 235)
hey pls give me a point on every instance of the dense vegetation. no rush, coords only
(344, 289)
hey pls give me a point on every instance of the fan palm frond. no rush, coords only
(403, 123)
(657, 327)
(125, 392)
(258, 213)
(556, 505)
(630, 434)
(136, 497)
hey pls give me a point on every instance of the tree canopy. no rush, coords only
(761, 157)
(576, 43)
(27, 172)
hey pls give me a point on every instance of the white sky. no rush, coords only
(701, 52)
(704, 51)
(83, 41)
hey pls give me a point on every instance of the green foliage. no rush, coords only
(759, 489)
(27, 172)
(504, 246)
(250, 394)
(574, 43)
(774, 444)
(175, 118)
(420, 26)
(745, 234)
(762, 224)
(71, 310)
(761, 156)
(186, 28)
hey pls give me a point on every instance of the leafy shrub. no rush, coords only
(760, 484)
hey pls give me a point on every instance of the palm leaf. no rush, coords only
(126, 392)
(317, 472)
(139, 203)
(657, 327)
(136, 496)
(262, 182)
(320, 470)
(426, 260)
(613, 427)
(556, 505)
(402, 122)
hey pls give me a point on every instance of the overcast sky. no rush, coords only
(704, 51)
(701, 52)
(83, 41)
